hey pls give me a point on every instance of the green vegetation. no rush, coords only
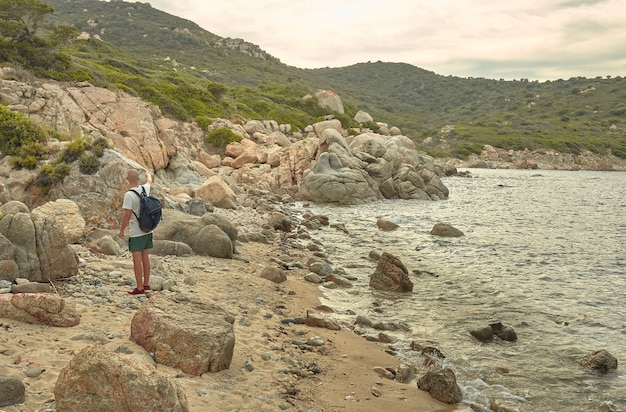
(221, 137)
(17, 130)
(26, 41)
(194, 75)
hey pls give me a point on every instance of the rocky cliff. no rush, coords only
(322, 163)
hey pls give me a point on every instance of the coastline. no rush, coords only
(343, 378)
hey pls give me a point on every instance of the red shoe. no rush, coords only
(136, 292)
(146, 287)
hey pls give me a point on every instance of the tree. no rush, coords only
(20, 19)
(25, 40)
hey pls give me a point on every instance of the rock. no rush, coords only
(328, 99)
(100, 380)
(386, 225)
(318, 320)
(445, 230)
(390, 275)
(193, 336)
(273, 274)
(217, 191)
(484, 334)
(600, 361)
(503, 332)
(12, 391)
(441, 384)
(328, 181)
(33, 247)
(321, 268)
(67, 214)
(363, 117)
(207, 235)
(487, 333)
(405, 373)
(39, 308)
(170, 247)
(31, 287)
(105, 245)
(313, 278)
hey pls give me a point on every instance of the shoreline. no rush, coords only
(337, 376)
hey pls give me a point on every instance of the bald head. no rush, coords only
(133, 176)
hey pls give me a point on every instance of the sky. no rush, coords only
(495, 39)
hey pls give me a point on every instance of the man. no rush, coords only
(139, 242)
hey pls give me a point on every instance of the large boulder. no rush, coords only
(328, 99)
(330, 182)
(34, 248)
(210, 234)
(39, 308)
(193, 336)
(217, 191)
(391, 275)
(67, 214)
(100, 380)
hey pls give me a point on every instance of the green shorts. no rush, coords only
(141, 243)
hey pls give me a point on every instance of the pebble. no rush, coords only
(34, 372)
(315, 341)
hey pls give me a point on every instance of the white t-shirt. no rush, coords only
(131, 201)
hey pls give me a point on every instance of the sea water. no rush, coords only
(543, 252)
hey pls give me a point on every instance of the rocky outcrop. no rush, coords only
(100, 380)
(391, 275)
(195, 337)
(270, 156)
(70, 108)
(33, 247)
(495, 158)
(39, 308)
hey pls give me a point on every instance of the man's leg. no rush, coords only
(145, 260)
(139, 269)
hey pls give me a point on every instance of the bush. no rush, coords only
(29, 155)
(16, 131)
(203, 122)
(51, 174)
(222, 136)
(89, 163)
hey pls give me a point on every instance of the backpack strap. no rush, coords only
(143, 189)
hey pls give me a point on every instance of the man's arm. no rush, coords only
(125, 221)
(148, 178)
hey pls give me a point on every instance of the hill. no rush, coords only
(194, 74)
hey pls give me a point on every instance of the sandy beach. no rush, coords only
(336, 376)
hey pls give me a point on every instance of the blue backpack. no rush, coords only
(150, 211)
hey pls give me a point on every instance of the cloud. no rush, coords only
(536, 39)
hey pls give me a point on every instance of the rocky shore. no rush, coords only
(279, 363)
(495, 158)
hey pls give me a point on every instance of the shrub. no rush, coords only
(29, 155)
(51, 174)
(221, 137)
(17, 130)
(89, 163)
(203, 122)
